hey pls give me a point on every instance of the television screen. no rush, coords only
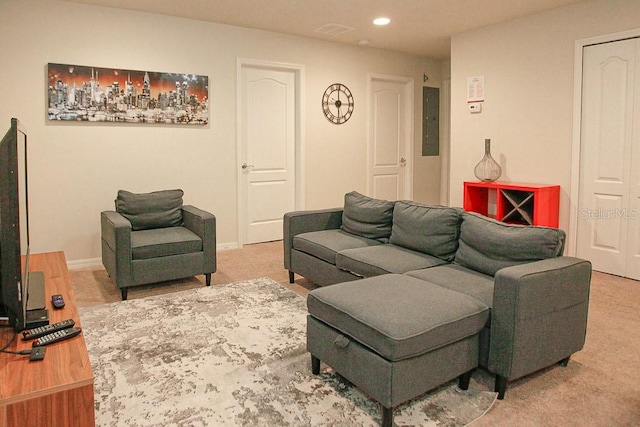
(23, 215)
(14, 235)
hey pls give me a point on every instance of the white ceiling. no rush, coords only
(419, 27)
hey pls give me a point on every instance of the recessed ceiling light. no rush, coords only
(381, 21)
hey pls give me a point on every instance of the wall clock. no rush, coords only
(337, 103)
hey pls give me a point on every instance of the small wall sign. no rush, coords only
(475, 89)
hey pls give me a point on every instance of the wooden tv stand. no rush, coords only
(57, 391)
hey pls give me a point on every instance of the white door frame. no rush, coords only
(410, 110)
(299, 72)
(574, 210)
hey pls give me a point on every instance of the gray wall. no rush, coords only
(528, 66)
(77, 168)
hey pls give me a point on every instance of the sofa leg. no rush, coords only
(207, 278)
(387, 417)
(291, 277)
(564, 362)
(463, 380)
(124, 292)
(315, 365)
(501, 386)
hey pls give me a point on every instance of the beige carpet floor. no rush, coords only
(599, 387)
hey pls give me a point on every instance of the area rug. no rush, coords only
(234, 355)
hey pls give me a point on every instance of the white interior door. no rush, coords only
(609, 196)
(267, 150)
(390, 148)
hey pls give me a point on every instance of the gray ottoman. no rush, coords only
(393, 336)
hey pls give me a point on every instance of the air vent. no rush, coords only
(333, 29)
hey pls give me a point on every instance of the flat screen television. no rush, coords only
(15, 274)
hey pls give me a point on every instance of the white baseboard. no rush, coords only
(84, 263)
(227, 246)
(97, 262)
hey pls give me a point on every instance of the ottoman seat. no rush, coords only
(398, 316)
(394, 336)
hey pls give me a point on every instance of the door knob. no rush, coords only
(403, 161)
(245, 165)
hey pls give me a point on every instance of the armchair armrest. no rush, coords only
(203, 224)
(116, 231)
(539, 314)
(116, 236)
(299, 222)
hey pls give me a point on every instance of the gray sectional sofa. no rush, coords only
(537, 298)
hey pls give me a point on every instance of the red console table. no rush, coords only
(530, 204)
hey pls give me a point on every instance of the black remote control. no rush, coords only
(37, 353)
(57, 336)
(57, 301)
(30, 334)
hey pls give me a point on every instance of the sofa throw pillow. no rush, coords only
(367, 217)
(157, 209)
(432, 230)
(487, 245)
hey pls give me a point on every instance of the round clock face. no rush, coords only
(337, 103)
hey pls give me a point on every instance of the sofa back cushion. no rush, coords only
(432, 230)
(157, 209)
(367, 217)
(487, 245)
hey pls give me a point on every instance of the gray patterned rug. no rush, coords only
(234, 355)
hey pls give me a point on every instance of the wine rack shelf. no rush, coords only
(528, 204)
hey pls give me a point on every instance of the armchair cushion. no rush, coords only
(159, 242)
(367, 217)
(157, 209)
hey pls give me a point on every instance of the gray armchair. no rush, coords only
(152, 237)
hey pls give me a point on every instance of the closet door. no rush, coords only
(609, 196)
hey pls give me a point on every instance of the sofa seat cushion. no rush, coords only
(459, 279)
(432, 230)
(326, 244)
(487, 245)
(383, 259)
(161, 242)
(398, 316)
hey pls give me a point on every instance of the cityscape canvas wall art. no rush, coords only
(97, 94)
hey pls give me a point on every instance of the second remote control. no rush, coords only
(47, 329)
(57, 301)
(56, 336)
